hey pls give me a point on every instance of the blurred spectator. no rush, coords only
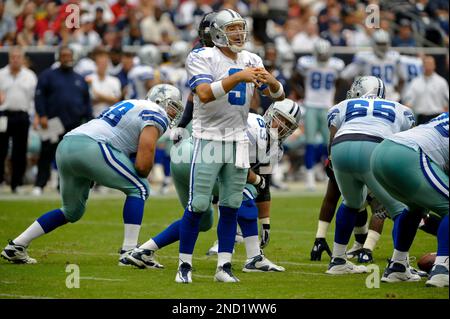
(62, 96)
(100, 25)
(17, 86)
(131, 32)
(120, 10)
(29, 9)
(334, 33)
(94, 6)
(86, 35)
(404, 38)
(28, 36)
(105, 89)
(304, 41)
(127, 63)
(327, 13)
(14, 7)
(7, 25)
(47, 24)
(154, 25)
(428, 94)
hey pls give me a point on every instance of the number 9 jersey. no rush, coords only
(224, 119)
(121, 124)
(370, 116)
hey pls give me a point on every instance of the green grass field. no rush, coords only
(93, 242)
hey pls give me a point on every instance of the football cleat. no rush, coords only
(340, 266)
(365, 256)
(438, 277)
(214, 250)
(123, 261)
(397, 271)
(184, 274)
(261, 264)
(320, 245)
(17, 254)
(354, 251)
(421, 273)
(224, 274)
(143, 258)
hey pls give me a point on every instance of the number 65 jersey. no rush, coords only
(370, 116)
(224, 119)
(120, 125)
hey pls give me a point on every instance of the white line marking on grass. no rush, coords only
(101, 279)
(308, 273)
(25, 297)
(202, 276)
(7, 282)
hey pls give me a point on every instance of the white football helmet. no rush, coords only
(381, 42)
(322, 50)
(367, 87)
(149, 55)
(179, 50)
(284, 115)
(221, 34)
(169, 98)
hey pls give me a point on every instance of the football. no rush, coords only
(425, 263)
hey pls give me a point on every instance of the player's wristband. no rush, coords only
(217, 89)
(265, 220)
(278, 93)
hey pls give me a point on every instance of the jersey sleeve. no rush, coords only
(408, 118)
(353, 69)
(146, 73)
(302, 65)
(335, 116)
(154, 118)
(198, 69)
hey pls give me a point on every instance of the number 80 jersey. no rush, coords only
(224, 119)
(375, 117)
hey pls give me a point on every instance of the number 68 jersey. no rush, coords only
(224, 119)
(120, 125)
(370, 116)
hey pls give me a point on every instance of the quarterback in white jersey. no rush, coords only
(357, 125)
(223, 80)
(102, 151)
(413, 167)
(380, 62)
(410, 68)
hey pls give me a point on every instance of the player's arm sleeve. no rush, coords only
(153, 118)
(198, 69)
(353, 69)
(409, 119)
(335, 116)
(187, 113)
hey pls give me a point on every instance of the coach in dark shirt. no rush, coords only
(61, 93)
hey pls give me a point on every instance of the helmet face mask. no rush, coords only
(282, 119)
(229, 30)
(169, 98)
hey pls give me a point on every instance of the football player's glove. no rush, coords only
(320, 245)
(261, 184)
(265, 235)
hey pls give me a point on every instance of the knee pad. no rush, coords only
(206, 220)
(200, 203)
(73, 214)
(248, 210)
(233, 201)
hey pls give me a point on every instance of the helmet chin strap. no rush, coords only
(235, 48)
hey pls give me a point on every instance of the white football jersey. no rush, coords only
(224, 119)
(176, 76)
(431, 137)
(137, 77)
(410, 68)
(368, 63)
(121, 124)
(262, 156)
(320, 80)
(375, 117)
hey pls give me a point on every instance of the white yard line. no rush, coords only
(101, 279)
(24, 296)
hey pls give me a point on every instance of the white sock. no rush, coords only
(252, 246)
(150, 244)
(371, 240)
(223, 258)
(34, 231)
(400, 255)
(185, 258)
(310, 177)
(322, 229)
(441, 260)
(131, 236)
(339, 250)
(361, 229)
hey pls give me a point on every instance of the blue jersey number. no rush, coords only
(262, 131)
(317, 78)
(387, 74)
(114, 114)
(358, 108)
(413, 72)
(442, 127)
(237, 94)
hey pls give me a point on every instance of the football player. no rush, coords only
(99, 151)
(357, 125)
(413, 167)
(284, 116)
(319, 74)
(223, 79)
(381, 62)
(411, 66)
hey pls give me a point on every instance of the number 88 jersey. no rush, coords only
(370, 116)
(224, 119)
